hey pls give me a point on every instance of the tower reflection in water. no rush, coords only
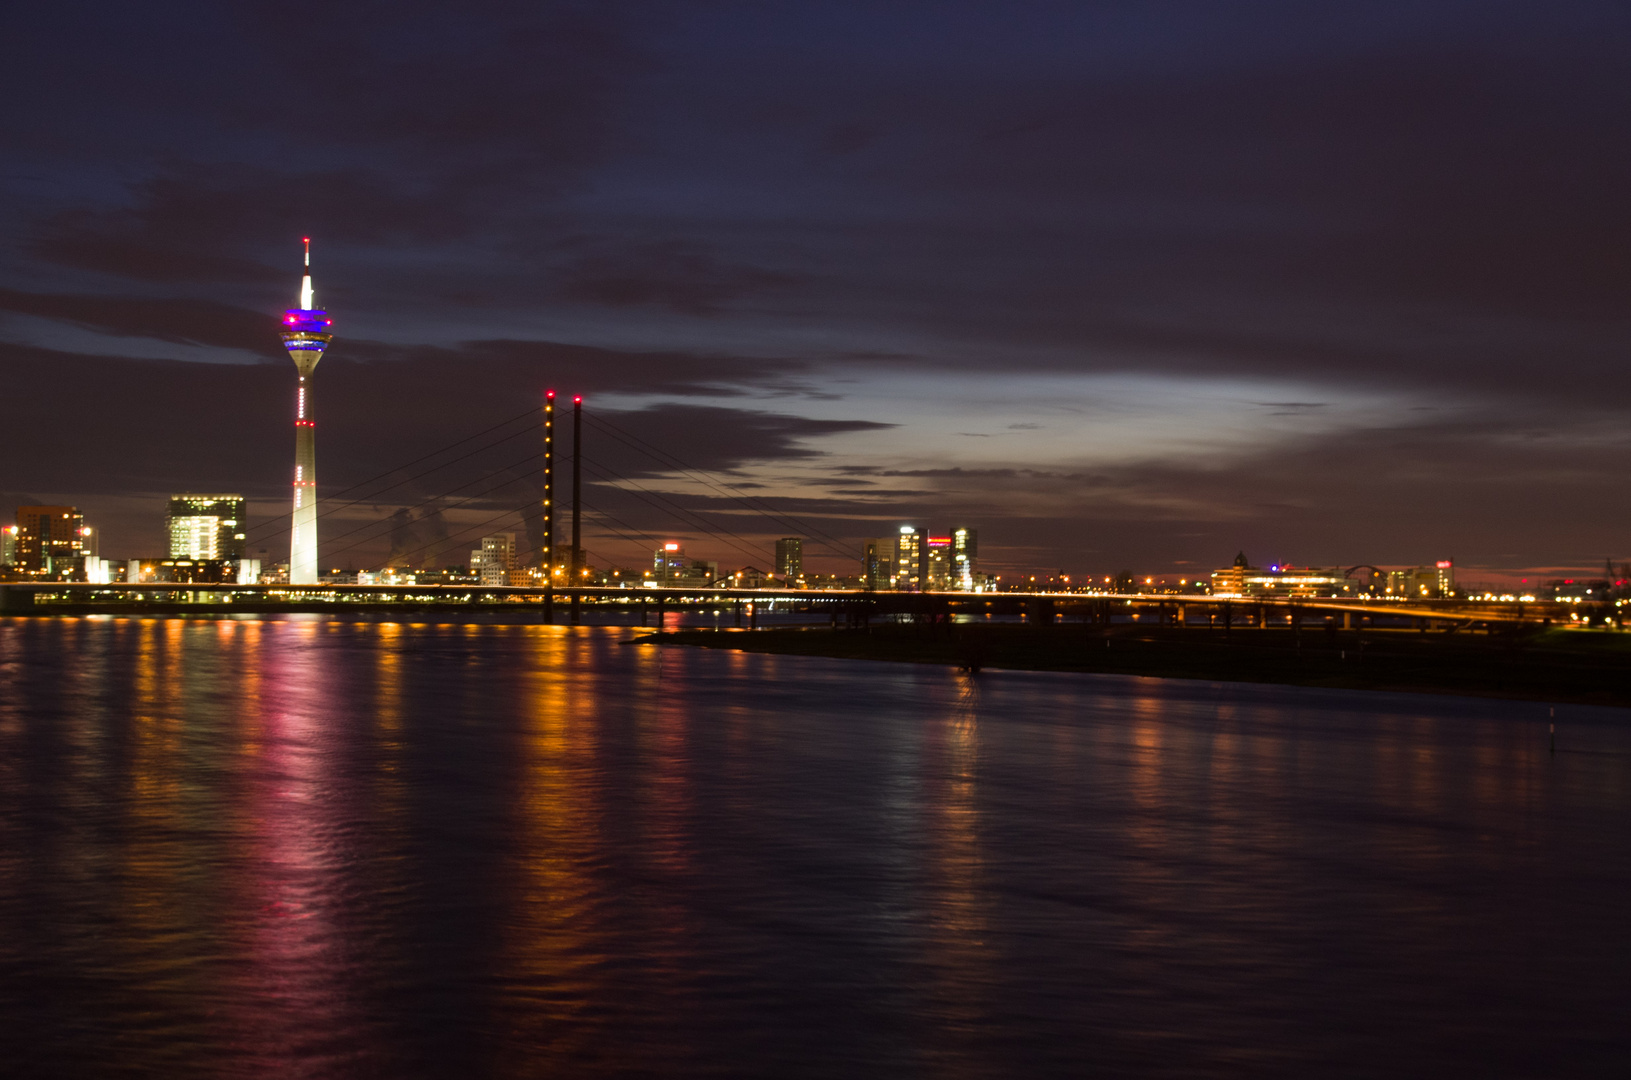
(308, 847)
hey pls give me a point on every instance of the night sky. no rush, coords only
(1122, 285)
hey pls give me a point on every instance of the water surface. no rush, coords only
(325, 848)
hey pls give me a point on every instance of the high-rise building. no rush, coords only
(206, 526)
(493, 561)
(965, 551)
(790, 558)
(877, 562)
(8, 545)
(50, 541)
(937, 564)
(909, 552)
(305, 335)
(668, 564)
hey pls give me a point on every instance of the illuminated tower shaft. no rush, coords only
(305, 335)
(549, 488)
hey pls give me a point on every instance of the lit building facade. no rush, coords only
(493, 562)
(50, 542)
(1416, 582)
(669, 566)
(965, 552)
(8, 545)
(1291, 581)
(205, 526)
(1231, 580)
(909, 549)
(1281, 581)
(937, 564)
(790, 558)
(878, 562)
(668, 563)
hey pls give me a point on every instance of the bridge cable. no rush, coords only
(435, 499)
(364, 483)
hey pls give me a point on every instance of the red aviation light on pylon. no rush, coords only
(550, 394)
(577, 399)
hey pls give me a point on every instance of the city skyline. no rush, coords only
(1128, 291)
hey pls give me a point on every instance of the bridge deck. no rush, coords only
(15, 596)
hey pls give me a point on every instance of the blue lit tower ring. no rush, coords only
(305, 335)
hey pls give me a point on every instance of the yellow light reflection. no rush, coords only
(556, 945)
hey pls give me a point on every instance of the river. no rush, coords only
(318, 847)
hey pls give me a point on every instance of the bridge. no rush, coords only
(838, 607)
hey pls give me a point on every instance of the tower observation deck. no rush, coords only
(305, 335)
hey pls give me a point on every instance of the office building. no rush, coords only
(50, 541)
(8, 545)
(492, 562)
(668, 563)
(878, 562)
(205, 526)
(1290, 581)
(1280, 580)
(965, 551)
(790, 558)
(1231, 580)
(669, 566)
(937, 563)
(909, 552)
(1416, 582)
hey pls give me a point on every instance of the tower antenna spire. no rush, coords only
(306, 303)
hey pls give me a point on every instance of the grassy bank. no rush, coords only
(1552, 665)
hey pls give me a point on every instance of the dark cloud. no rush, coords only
(681, 275)
(583, 368)
(481, 86)
(176, 321)
(207, 223)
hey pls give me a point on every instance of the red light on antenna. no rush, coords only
(550, 394)
(305, 239)
(577, 399)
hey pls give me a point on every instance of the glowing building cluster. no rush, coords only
(916, 560)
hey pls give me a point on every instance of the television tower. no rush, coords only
(305, 335)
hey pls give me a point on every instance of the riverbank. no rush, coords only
(1584, 667)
